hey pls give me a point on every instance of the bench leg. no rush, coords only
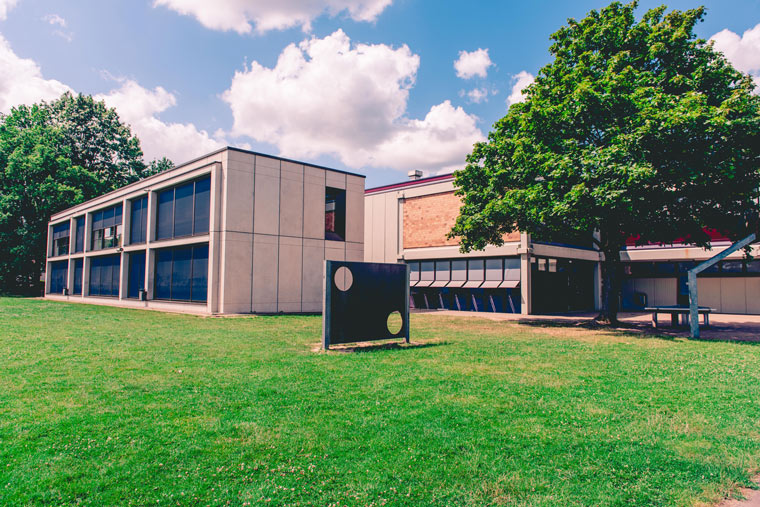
(707, 320)
(674, 319)
(654, 320)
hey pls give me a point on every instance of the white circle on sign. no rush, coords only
(343, 278)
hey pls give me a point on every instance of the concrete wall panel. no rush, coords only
(708, 290)
(289, 279)
(335, 180)
(313, 267)
(314, 203)
(354, 252)
(753, 295)
(355, 209)
(266, 214)
(236, 296)
(265, 271)
(291, 200)
(239, 199)
(665, 291)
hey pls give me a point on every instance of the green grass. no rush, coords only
(107, 406)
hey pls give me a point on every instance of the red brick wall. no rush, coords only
(429, 218)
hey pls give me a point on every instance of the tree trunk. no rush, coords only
(611, 272)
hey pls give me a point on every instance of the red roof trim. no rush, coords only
(404, 184)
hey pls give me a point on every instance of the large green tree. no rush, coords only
(52, 156)
(637, 129)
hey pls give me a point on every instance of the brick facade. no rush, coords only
(429, 218)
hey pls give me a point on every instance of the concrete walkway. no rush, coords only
(722, 326)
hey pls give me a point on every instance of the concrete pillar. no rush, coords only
(86, 275)
(213, 280)
(525, 250)
(126, 214)
(150, 253)
(88, 232)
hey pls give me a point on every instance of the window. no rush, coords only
(58, 273)
(138, 221)
(335, 214)
(106, 228)
(78, 269)
(104, 275)
(136, 274)
(181, 273)
(184, 210)
(79, 238)
(61, 239)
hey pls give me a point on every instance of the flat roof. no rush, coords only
(180, 166)
(410, 183)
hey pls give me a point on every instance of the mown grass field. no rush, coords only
(106, 406)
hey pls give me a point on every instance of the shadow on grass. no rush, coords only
(363, 347)
(714, 333)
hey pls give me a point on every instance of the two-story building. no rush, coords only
(230, 232)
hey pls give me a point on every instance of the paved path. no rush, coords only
(722, 326)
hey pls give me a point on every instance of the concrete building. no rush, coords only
(231, 232)
(409, 222)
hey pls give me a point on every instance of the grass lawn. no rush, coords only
(107, 406)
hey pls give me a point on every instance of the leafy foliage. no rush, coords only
(636, 129)
(53, 156)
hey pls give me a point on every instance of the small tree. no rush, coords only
(635, 130)
(53, 156)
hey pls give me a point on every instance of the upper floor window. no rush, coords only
(138, 223)
(335, 214)
(61, 239)
(79, 235)
(106, 228)
(184, 210)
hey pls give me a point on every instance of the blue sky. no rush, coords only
(364, 85)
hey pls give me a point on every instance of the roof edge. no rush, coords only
(411, 183)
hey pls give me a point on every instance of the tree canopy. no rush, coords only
(53, 156)
(636, 129)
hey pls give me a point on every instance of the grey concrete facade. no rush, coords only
(266, 234)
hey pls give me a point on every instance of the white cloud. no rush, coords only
(139, 107)
(327, 96)
(472, 64)
(239, 15)
(5, 6)
(743, 52)
(522, 79)
(21, 80)
(476, 95)
(55, 19)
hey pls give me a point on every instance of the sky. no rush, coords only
(376, 87)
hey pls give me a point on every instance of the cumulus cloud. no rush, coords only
(472, 64)
(264, 15)
(743, 52)
(139, 107)
(5, 6)
(521, 80)
(330, 97)
(476, 95)
(21, 80)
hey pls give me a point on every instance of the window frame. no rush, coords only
(192, 247)
(57, 251)
(193, 210)
(116, 238)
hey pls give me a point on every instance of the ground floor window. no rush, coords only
(58, 273)
(181, 273)
(466, 300)
(562, 285)
(78, 269)
(136, 274)
(104, 275)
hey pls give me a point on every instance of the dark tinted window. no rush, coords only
(61, 239)
(79, 239)
(165, 219)
(164, 274)
(335, 214)
(136, 274)
(183, 210)
(200, 273)
(138, 221)
(104, 275)
(58, 273)
(106, 228)
(181, 273)
(201, 211)
(78, 270)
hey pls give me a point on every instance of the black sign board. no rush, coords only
(364, 301)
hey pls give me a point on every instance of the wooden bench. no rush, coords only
(675, 311)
